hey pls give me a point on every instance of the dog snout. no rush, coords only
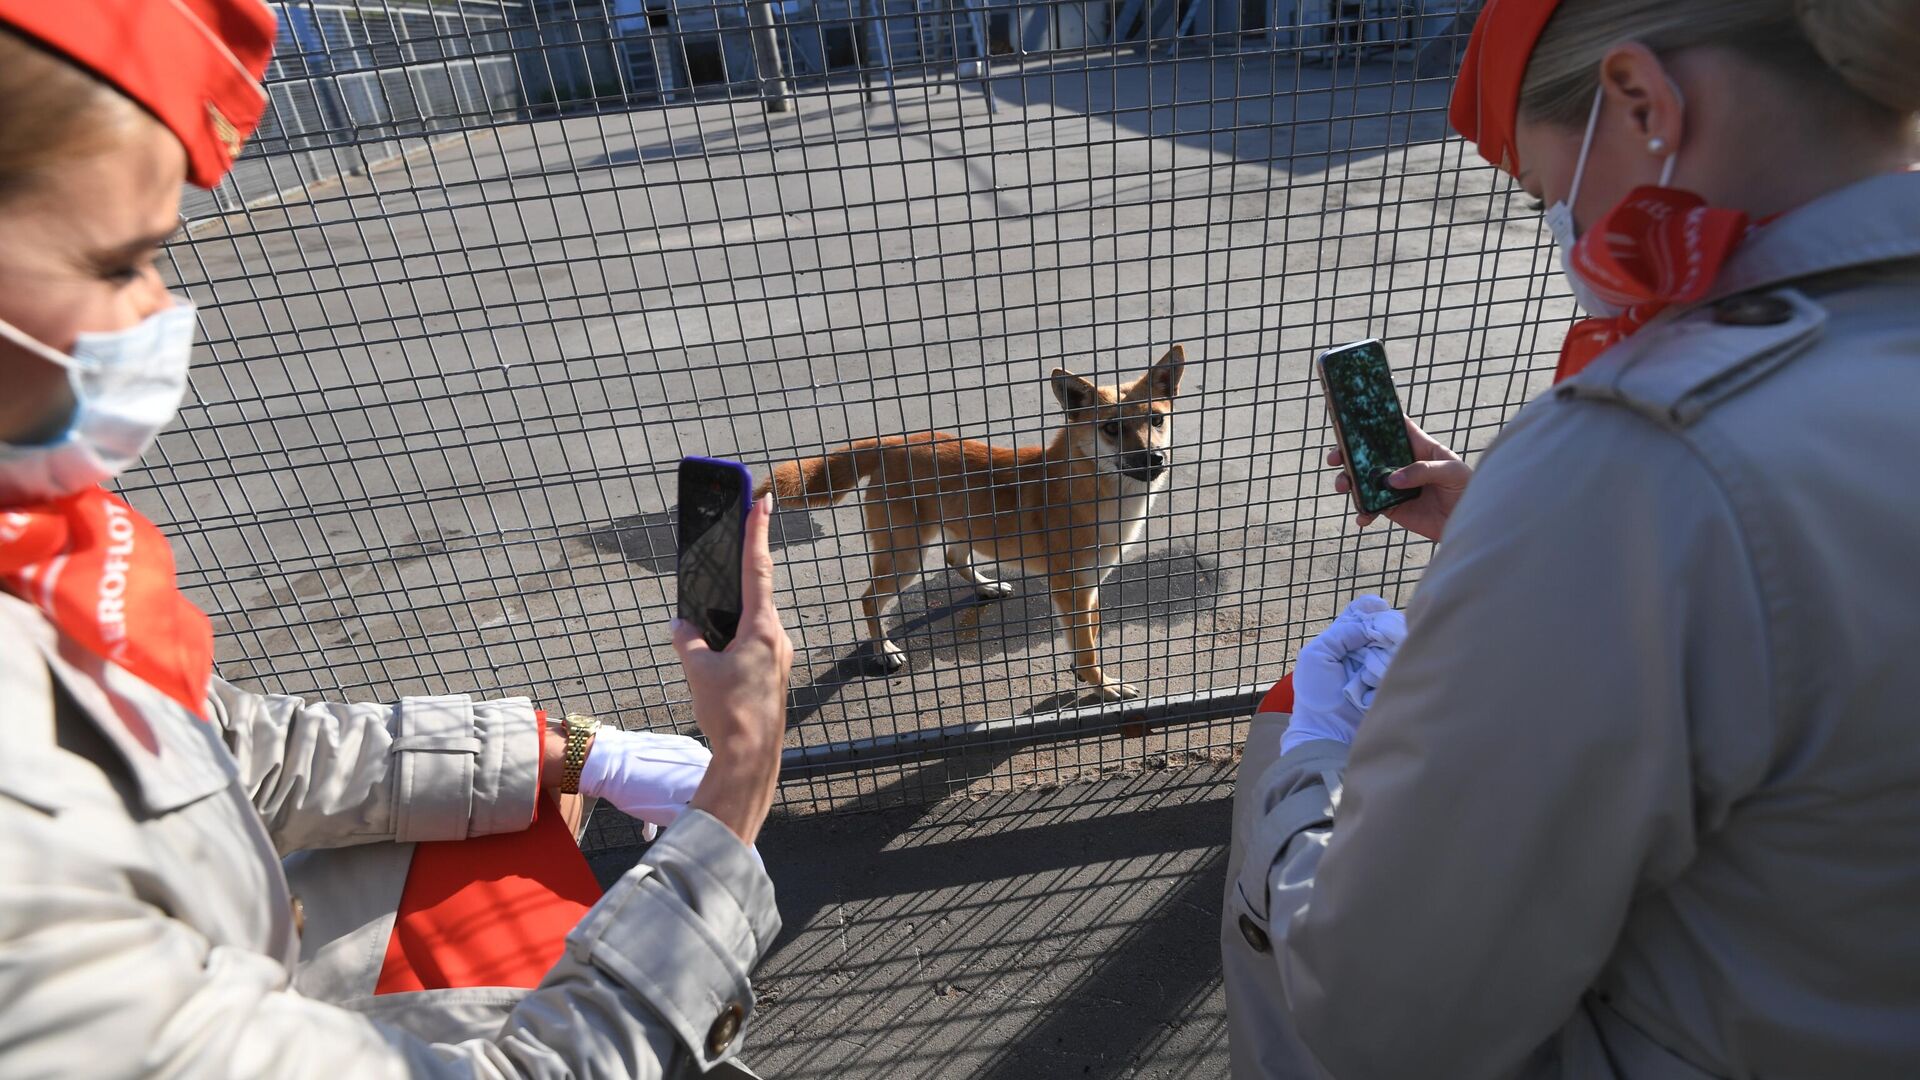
(1145, 465)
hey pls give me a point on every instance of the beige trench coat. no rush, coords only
(147, 926)
(1640, 795)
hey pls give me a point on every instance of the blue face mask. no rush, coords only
(127, 385)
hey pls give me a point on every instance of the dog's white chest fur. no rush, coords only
(1122, 530)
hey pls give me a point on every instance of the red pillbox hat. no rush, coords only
(1486, 96)
(194, 64)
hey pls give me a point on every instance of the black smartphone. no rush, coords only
(1367, 420)
(714, 498)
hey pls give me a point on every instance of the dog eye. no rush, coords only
(1112, 428)
(1159, 419)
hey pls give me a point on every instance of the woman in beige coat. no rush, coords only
(1639, 795)
(146, 925)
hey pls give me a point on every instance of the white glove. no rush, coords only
(1336, 675)
(644, 774)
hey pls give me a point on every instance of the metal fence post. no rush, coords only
(871, 17)
(766, 58)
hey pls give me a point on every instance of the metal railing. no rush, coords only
(443, 391)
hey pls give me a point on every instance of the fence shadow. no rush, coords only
(651, 541)
(1263, 108)
(941, 620)
(1102, 952)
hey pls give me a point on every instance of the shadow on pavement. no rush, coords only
(1065, 931)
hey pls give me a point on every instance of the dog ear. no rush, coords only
(1074, 392)
(1162, 380)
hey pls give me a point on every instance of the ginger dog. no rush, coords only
(1066, 511)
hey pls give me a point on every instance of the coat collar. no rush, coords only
(1874, 221)
(1684, 361)
(189, 764)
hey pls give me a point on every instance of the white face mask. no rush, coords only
(1565, 233)
(127, 385)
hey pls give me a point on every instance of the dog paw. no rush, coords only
(886, 659)
(993, 590)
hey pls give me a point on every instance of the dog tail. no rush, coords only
(818, 482)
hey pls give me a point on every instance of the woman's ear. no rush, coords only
(1638, 86)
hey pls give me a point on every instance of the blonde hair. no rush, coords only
(52, 110)
(1865, 52)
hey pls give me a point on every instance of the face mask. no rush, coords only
(1566, 234)
(127, 385)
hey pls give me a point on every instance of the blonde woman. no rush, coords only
(438, 924)
(1639, 795)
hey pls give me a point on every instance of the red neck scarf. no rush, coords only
(104, 575)
(489, 911)
(1658, 248)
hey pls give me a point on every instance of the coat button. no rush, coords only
(720, 1035)
(1752, 311)
(1255, 936)
(299, 915)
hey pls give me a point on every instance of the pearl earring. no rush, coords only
(1656, 146)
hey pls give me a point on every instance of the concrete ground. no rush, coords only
(431, 445)
(433, 431)
(1069, 931)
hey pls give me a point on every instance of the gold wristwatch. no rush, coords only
(579, 730)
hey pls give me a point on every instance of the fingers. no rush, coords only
(1341, 637)
(1365, 520)
(756, 564)
(1445, 473)
(687, 641)
(1334, 456)
(1426, 447)
(1418, 434)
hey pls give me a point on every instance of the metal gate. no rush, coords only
(434, 426)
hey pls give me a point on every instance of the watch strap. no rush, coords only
(579, 730)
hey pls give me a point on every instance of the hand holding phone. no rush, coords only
(1437, 472)
(1368, 422)
(736, 655)
(714, 498)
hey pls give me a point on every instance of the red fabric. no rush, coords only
(104, 575)
(1486, 96)
(1658, 248)
(489, 911)
(194, 64)
(1280, 698)
(540, 755)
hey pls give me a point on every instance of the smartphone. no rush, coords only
(1367, 420)
(714, 498)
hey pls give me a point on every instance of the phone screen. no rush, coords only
(1367, 418)
(714, 495)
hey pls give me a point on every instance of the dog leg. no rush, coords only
(984, 587)
(896, 563)
(1079, 607)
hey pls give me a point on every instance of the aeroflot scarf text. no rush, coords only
(105, 576)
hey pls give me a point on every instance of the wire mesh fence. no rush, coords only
(434, 428)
